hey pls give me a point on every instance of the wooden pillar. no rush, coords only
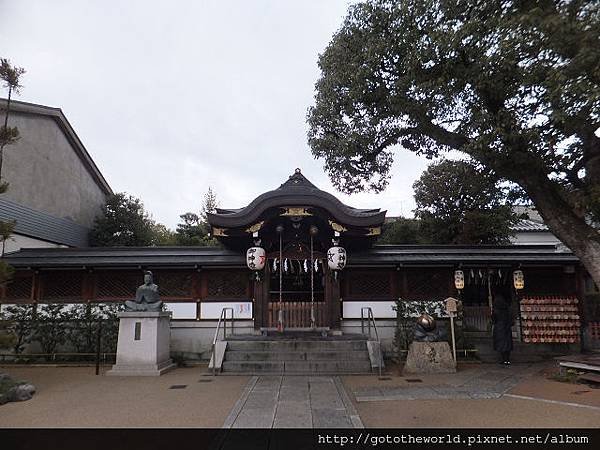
(580, 290)
(89, 286)
(196, 291)
(333, 305)
(260, 293)
(35, 290)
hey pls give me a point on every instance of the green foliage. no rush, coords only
(459, 203)
(110, 326)
(49, 328)
(8, 135)
(82, 326)
(194, 229)
(11, 75)
(406, 313)
(6, 229)
(514, 85)
(402, 231)
(209, 204)
(82, 332)
(18, 322)
(163, 235)
(6, 272)
(123, 222)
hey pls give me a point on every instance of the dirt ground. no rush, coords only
(76, 397)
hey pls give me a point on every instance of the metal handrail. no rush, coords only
(371, 319)
(222, 318)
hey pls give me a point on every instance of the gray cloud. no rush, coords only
(171, 97)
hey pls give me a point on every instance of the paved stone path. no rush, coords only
(484, 383)
(294, 402)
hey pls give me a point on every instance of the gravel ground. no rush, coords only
(538, 411)
(76, 397)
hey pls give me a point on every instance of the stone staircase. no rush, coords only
(297, 355)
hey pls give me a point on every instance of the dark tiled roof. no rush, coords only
(125, 257)
(43, 226)
(529, 225)
(216, 256)
(453, 254)
(296, 191)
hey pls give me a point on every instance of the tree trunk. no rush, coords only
(572, 230)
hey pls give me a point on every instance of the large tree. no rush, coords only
(515, 85)
(123, 222)
(194, 228)
(459, 203)
(402, 230)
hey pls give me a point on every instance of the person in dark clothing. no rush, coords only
(502, 322)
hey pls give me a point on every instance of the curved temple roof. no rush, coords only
(296, 191)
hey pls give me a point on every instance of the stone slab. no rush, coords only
(144, 314)
(294, 402)
(141, 370)
(429, 357)
(143, 346)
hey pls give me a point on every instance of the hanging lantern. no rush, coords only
(518, 279)
(336, 258)
(459, 279)
(255, 258)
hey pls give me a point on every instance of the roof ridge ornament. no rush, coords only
(297, 180)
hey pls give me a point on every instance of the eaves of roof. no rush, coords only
(216, 256)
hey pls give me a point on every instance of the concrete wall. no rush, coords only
(46, 174)
(194, 339)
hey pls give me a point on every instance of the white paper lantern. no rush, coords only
(459, 279)
(255, 258)
(336, 258)
(518, 279)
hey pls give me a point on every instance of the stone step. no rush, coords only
(337, 366)
(295, 346)
(352, 355)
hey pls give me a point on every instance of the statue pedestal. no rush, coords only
(429, 357)
(143, 345)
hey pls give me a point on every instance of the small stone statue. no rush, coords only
(146, 296)
(426, 330)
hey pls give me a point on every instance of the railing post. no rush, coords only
(362, 322)
(98, 344)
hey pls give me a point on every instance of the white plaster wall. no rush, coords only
(17, 241)
(381, 310)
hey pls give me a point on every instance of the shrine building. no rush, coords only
(298, 260)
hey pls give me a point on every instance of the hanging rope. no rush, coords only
(312, 282)
(280, 317)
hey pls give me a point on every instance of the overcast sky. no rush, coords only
(171, 97)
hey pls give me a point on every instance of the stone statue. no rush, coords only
(146, 296)
(426, 330)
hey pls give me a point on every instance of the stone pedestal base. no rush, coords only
(429, 357)
(143, 345)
